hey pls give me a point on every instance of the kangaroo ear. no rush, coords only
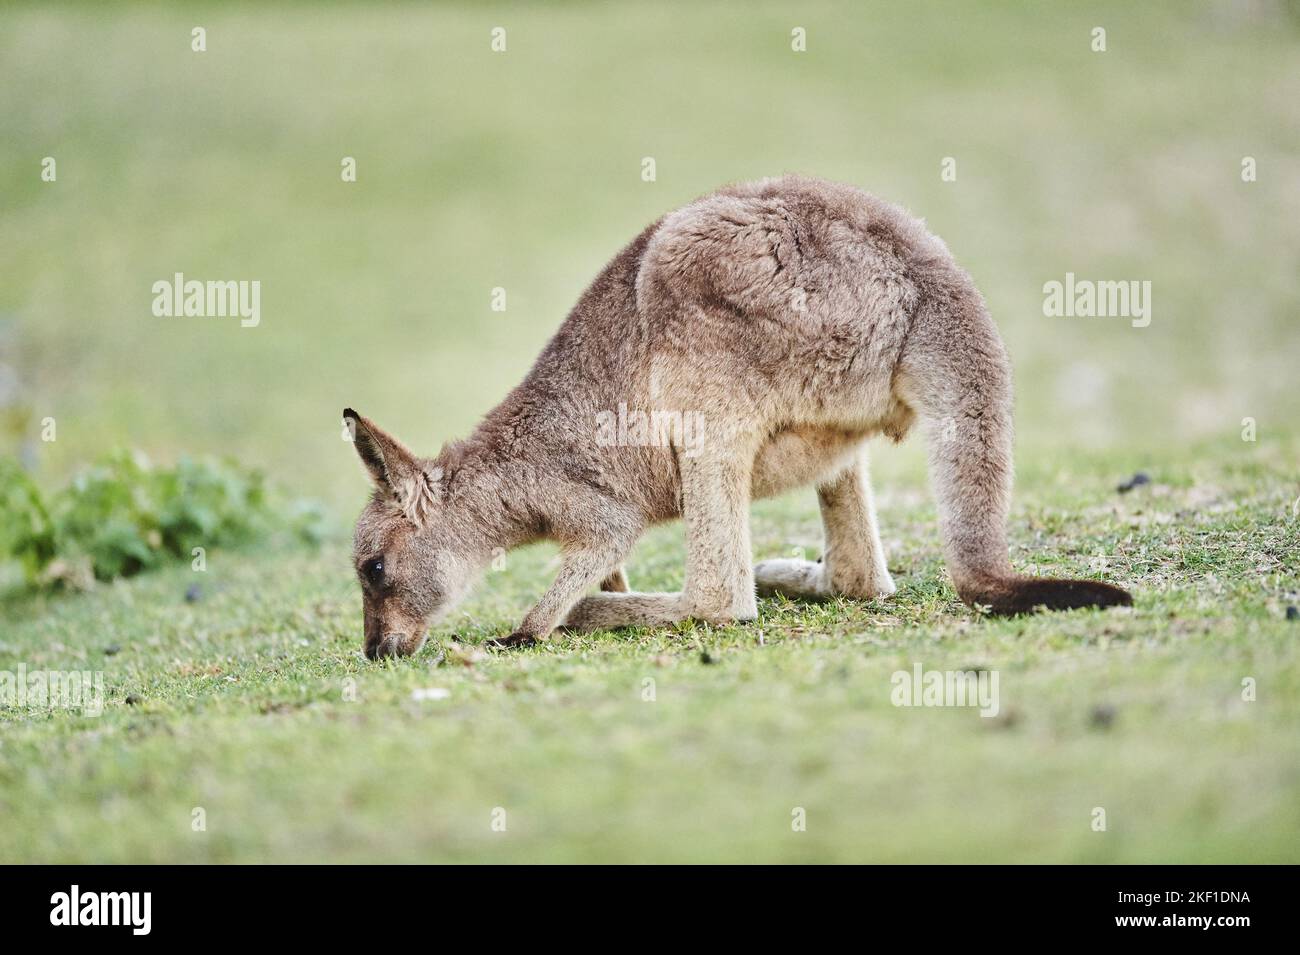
(398, 474)
(389, 462)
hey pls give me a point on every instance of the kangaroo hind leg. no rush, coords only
(853, 561)
(719, 581)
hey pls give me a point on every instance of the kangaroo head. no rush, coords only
(408, 548)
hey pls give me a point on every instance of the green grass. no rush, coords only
(522, 171)
(255, 704)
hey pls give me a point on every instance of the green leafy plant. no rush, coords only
(122, 516)
(26, 529)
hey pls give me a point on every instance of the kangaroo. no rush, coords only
(794, 318)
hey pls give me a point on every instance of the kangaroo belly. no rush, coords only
(799, 456)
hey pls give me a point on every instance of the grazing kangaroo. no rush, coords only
(794, 318)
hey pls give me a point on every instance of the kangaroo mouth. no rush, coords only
(395, 645)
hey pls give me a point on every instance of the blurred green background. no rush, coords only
(522, 170)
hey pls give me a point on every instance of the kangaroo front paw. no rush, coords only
(516, 639)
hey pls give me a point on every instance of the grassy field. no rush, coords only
(522, 170)
(254, 704)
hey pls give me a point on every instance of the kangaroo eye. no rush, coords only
(374, 570)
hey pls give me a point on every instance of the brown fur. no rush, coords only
(796, 318)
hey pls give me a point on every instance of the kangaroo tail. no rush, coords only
(1016, 594)
(954, 371)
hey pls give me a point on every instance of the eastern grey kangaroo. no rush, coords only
(794, 319)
